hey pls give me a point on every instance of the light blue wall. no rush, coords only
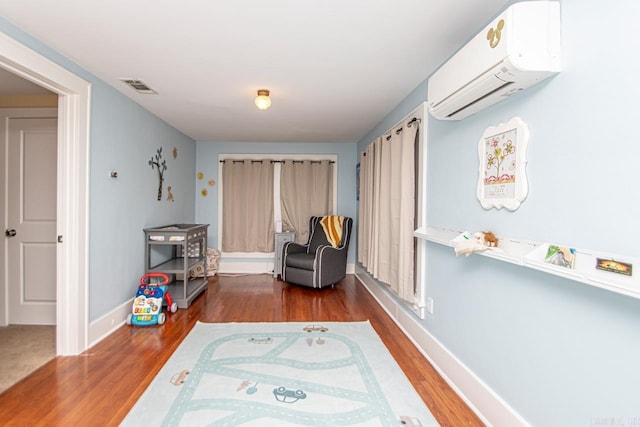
(409, 104)
(207, 163)
(123, 137)
(561, 353)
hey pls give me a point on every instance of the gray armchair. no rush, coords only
(318, 263)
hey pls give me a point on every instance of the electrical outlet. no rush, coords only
(430, 305)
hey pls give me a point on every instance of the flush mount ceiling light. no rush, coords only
(263, 102)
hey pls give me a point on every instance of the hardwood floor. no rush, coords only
(99, 387)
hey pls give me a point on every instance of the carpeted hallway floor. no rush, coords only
(23, 349)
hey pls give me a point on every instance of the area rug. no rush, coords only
(281, 374)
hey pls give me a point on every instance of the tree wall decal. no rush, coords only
(156, 162)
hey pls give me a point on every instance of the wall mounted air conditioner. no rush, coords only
(520, 48)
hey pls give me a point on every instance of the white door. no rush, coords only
(31, 220)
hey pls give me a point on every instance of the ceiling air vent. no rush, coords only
(139, 86)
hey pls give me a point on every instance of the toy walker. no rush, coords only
(147, 305)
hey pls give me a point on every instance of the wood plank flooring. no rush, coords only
(99, 387)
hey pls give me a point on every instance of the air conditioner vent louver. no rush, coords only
(139, 86)
(470, 104)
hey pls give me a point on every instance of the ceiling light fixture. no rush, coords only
(263, 102)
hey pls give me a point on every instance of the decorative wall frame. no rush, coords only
(502, 179)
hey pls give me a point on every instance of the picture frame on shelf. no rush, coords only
(561, 256)
(614, 266)
(502, 179)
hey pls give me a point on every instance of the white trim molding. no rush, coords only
(242, 267)
(486, 403)
(72, 277)
(245, 267)
(107, 324)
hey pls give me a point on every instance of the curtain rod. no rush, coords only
(411, 122)
(274, 161)
(415, 119)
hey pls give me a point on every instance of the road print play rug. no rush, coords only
(281, 374)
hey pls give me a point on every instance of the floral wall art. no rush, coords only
(502, 180)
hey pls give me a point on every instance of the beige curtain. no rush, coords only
(369, 208)
(403, 140)
(364, 213)
(387, 209)
(384, 208)
(374, 245)
(247, 206)
(306, 190)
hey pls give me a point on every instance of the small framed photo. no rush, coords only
(502, 180)
(561, 256)
(614, 266)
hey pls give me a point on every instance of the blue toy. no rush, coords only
(147, 305)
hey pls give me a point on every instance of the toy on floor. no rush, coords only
(147, 305)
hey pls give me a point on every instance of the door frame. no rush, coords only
(72, 259)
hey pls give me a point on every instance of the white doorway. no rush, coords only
(72, 200)
(31, 147)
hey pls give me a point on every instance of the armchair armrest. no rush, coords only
(293, 248)
(332, 262)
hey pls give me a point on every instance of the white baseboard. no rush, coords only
(257, 268)
(245, 267)
(107, 324)
(482, 400)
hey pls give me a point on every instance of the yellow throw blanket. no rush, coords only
(332, 226)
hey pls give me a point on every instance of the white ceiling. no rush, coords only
(335, 68)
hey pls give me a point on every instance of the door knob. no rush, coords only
(10, 232)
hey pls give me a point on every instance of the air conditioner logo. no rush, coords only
(493, 35)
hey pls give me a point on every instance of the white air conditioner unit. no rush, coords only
(520, 48)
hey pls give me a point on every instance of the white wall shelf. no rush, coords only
(532, 254)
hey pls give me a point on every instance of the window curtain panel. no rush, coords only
(404, 139)
(387, 209)
(384, 213)
(306, 190)
(364, 207)
(368, 208)
(247, 206)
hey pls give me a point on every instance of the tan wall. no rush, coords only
(28, 101)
